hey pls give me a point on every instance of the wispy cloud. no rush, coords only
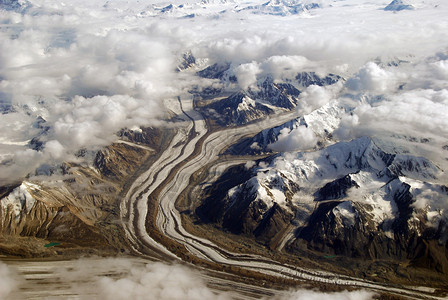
(316, 295)
(8, 281)
(158, 281)
(124, 278)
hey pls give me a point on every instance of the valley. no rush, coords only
(285, 149)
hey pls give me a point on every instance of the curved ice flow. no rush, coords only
(145, 184)
(169, 220)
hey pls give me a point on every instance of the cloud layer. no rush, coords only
(8, 282)
(314, 295)
(127, 278)
(157, 281)
(92, 68)
(297, 139)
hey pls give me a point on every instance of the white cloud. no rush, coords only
(8, 281)
(132, 278)
(93, 121)
(249, 164)
(315, 295)
(410, 121)
(246, 74)
(300, 138)
(348, 125)
(55, 54)
(20, 163)
(86, 78)
(441, 69)
(55, 149)
(284, 67)
(90, 70)
(316, 96)
(374, 79)
(418, 113)
(158, 281)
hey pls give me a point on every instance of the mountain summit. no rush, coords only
(397, 5)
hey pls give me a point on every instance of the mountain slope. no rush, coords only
(398, 5)
(351, 199)
(237, 109)
(281, 7)
(77, 207)
(322, 122)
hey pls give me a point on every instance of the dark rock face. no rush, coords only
(330, 232)
(311, 78)
(248, 215)
(274, 221)
(238, 109)
(246, 106)
(283, 95)
(364, 206)
(38, 142)
(325, 233)
(259, 144)
(336, 189)
(148, 136)
(262, 99)
(243, 212)
(188, 59)
(217, 71)
(213, 207)
(243, 215)
(80, 210)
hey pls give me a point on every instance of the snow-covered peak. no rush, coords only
(246, 104)
(397, 5)
(320, 123)
(305, 79)
(208, 2)
(15, 5)
(418, 168)
(282, 7)
(282, 95)
(357, 179)
(19, 199)
(314, 169)
(237, 109)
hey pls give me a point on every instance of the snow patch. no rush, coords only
(20, 199)
(246, 104)
(346, 213)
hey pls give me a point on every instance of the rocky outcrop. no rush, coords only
(283, 95)
(77, 206)
(188, 60)
(350, 199)
(237, 109)
(255, 103)
(219, 71)
(322, 121)
(248, 207)
(305, 79)
(281, 8)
